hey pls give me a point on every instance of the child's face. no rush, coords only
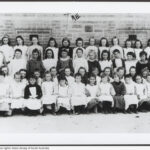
(115, 41)
(52, 43)
(17, 55)
(37, 74)
(128, 80)
(78, 79)
(129, 57)
(116, 78)
(138, 79)
(95, 71)
(64, 54)
(82, 72)
(103, 42)
(148, 78)
(79, 53)
(53, 72)
(132, 71)
(92, 42)
(117, 55)
(128, 44)
(62, 82)
(23, 74)
(17, 78)
(49, 54)
(138, 44)
(1, 78)
(5, 40)
(107, 72)
(32, 81)
(92, 80)
(105, 56)
(19, 41)
(92, 56)
(105, 79)
(143, 58)
(144, 73)
(35, 55)
(79, 43)
(121, 72)
(47, 77)
(34, 40)
(67, 72)
(65, 43)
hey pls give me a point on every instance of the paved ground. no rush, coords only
(89, 123)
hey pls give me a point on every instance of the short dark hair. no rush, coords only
(18, 50)
(103, 38)
(79, 39)
(116, 51)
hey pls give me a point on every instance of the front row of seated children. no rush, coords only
(57, 98)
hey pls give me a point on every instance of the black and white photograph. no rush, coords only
(74, 72)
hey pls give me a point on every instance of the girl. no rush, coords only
(107, 72)
(92, 93)
(103, 45)
(79, 44)
(17, 63)
(138, 49)
(37, 74)
(78, 98)
(80, 61)
(130, 97)
(132, 73)
(130, 62)
(54, 78)
(115, 43)
(4, 96)
(6, 49)
(120, 90)
(84, 75)
(52, 45)
(105, 60)
(70, 79)
(95, 72)
(64, 62)
(35, 45)
(35, 63)
(91, 47)
(32, 95)
(23, 74)
(128, 48)
(49, 93)
(106, 94)
(17, 92)
(121, 72)
(66, 45)
(64, 95)
(20, 45)
(92, 62)
(147, 49)
(49, 60)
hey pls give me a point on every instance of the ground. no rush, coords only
(86, 123)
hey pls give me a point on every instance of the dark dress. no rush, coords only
(140, 66)
(84, 79)
(93, 64)
(69, 49)
(120, 90)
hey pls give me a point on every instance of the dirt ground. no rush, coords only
(88, 123)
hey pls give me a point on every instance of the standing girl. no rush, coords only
(138, 49)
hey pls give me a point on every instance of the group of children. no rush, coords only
(74, 80)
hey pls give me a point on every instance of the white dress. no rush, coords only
(126, 50)
(147, 50)
(49, 63)
(55, 51)
(49, 95)
(5, 101)
(90, 49)
(80, 62)
(105, 63)
(17, 94)
(148, 89)
(137, 53)
(78, 97)
(101, 49)
(129, 64)
(75, 50)
(116, 47)
(63, 99)
(98, 79)
(141, 90)
(93, 91)
(130, 97)
(106, 89)
(70, 80)
(24, 49)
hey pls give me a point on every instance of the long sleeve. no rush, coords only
(123, 89)
(26, 92)
(71, 65)
(39, 92)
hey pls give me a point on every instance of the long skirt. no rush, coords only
(142, 100)
(91, 102)
(119, 102)
(78, 101)
(130, 100)
(106, 98)
(63, 102)
(5, 104)
(49, 99)
(17, 103)
(33, 104)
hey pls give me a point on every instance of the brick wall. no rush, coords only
(61, 25)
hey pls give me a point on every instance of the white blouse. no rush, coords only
(55, 51)
(126, 50)
(49, 63)
(105, 63)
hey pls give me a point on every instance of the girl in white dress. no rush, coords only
(37, 74)
(91, 47)
(54, 76)
(52, 44)
(49, 93)
(92, 93)
(7, 49)
(20, 45)
(95, 72)
(115, 43)
(78, 98)
(23, 73)
(17, 92)
(138, 48)
(105, 60)
(64, 96)
(35, 45)
(17, 63)
(103, 45)
(130, 97)
(79, 44)
(4, 96)
(108, 73)
(128, 48)
(80, 61)
(147, 49)
(106, 94)
(49, 60)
